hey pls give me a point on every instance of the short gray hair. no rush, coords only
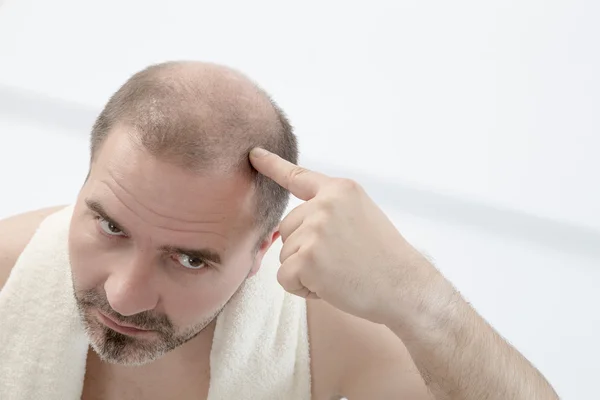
(190, 123)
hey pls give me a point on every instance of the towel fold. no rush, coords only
(260, 348)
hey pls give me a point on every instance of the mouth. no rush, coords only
(121, 328)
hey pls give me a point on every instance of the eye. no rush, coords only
(190, 262)
(109, 228)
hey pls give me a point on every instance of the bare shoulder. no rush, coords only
(358, 359)
(15, 233)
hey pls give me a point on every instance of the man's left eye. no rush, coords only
(191, 262)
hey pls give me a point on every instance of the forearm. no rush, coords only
(460, 356)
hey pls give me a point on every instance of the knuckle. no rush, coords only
(284, 276)
(318, 225)
(340, 189)
(327, 206)
(285, 229)
(296, 172)
(347, 185)
(287, 251)
(282, 257)
(307, 252)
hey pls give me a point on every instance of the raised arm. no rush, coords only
(340, 247)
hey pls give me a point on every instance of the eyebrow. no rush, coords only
(96, 207)
(203, 254)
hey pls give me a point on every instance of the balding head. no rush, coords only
(202, 117)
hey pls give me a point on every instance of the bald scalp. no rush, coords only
(197, 115)
(202, 117)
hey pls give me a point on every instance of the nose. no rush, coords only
(131, 289)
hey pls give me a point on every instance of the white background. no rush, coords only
(474, 124)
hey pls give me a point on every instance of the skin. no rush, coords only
(132, 206)
(375, 274)
(134, 281)
(383, 322)
(117, 254)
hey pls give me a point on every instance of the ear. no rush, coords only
(264, 247)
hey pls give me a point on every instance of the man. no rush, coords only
(175, 155)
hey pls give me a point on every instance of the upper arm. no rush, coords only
(359, 359)
(15, 234)
(385, 377)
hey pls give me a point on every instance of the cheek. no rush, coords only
(192, 304)
(86, 258)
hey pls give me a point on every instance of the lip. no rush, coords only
(124, 329)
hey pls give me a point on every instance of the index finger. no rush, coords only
(301, 182)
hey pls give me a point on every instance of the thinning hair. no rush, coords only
(202, 117)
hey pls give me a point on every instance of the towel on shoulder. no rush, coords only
(260, 347)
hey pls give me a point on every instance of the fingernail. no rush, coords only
(259, 152)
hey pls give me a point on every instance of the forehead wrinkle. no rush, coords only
(161, 226)
(148, 208)
(190, 231)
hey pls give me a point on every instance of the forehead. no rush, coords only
(125, 173)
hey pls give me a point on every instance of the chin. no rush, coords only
(117, 348)
(125, 347)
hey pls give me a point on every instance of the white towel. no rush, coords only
(260, 348)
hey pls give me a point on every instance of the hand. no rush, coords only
(339, 246)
